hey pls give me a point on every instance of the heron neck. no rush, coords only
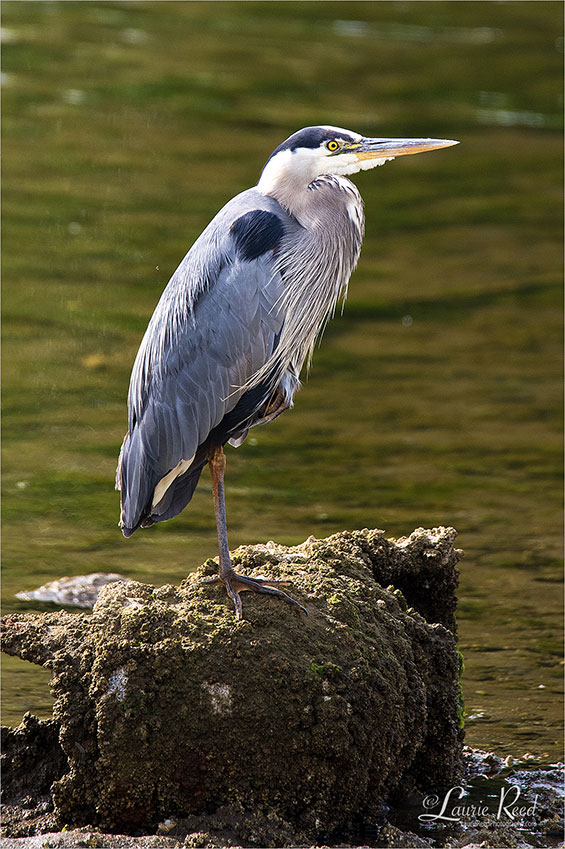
(325, 199)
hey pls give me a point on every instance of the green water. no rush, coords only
(435, 399)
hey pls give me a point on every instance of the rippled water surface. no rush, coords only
(435, 398)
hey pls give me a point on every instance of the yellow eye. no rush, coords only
(333, 146)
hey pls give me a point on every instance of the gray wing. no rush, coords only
(215, 326)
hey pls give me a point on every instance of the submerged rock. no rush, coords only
(79, 590)
(274, 730)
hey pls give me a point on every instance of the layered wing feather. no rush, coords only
(216, 325)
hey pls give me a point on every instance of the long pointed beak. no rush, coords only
(380, 148)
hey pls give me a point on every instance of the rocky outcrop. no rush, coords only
(286, 728)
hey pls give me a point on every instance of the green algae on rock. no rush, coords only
(169, 707)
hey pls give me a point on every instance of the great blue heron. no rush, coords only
(240, 316)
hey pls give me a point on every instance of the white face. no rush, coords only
(342, 162)
(305, 164)
(337, 152)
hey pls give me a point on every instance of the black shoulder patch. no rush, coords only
(256, 232)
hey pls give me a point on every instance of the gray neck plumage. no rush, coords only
(315, 262)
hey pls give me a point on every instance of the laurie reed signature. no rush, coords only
(505, 806)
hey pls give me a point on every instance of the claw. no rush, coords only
(236, 584)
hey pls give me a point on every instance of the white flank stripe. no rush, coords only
(165, 482)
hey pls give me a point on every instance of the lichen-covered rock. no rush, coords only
(169, 708)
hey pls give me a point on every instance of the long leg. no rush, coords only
(234, 583)
(217, 463)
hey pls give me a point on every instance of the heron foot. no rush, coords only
(236, 584)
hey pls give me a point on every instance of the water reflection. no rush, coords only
(509, 118)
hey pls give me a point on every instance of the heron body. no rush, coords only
(225, 347)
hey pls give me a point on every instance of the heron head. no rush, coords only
(314, 151)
